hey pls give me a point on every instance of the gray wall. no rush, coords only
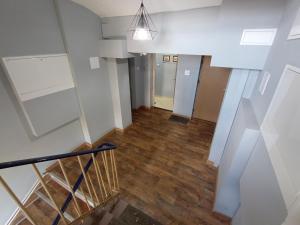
(234, 92)
(185, 89)
(212, 31)
(138, 81)
(262, 203)
(81, 31)
(240, 143)
(27, 30)
(261, 200)
(165, 76)
(283, 52)
(236, 15)
(124, 91)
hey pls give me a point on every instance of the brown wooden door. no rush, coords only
(210, 91)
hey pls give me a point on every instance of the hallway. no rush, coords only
(162, 168)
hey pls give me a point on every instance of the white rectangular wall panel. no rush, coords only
(37, 76)
(258, 37)
(45, 90)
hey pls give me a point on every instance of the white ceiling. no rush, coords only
(109, 8)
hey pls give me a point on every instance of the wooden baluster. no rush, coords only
(48, 192)
(86, 199)
(17, 201)
(112, 169)
(116, 171)
(93, 188)
(70, 187)
(98, 175)
(85, 179)
(104, 158)
(101, 177)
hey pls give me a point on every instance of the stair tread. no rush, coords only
(60, 194)
(41, 213)
(20, 217)
(73, 172)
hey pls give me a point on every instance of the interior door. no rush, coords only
(210, 91)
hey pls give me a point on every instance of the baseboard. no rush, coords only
(101, 139)
(143, 107)
(122, 130)
(26, 198)
(211, 164)
(187, 117)
(222, 216)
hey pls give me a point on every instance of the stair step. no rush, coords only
(60, 194)
(58, 179)
(41, 213)
(73, 172)
(50, 203)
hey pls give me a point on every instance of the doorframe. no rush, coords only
(153, 77)
(198, 82)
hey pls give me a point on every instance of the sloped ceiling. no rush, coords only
(110, 8)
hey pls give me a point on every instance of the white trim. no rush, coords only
(27, 196)
(263, 37)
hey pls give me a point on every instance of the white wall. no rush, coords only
(124, 89)
(115, 92)
(263, 203)
(81, 29)
(236, 15)
(31, 27)
(119, 83)
(240, 143)
(27, 31)
(231, 101)
(185, 88)
(139, 75)
(212, 31)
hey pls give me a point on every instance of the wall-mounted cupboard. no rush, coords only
(45, 90)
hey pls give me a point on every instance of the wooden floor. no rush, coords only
(163, 171)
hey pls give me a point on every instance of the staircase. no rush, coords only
(78, 188)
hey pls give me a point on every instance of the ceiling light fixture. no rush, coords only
(142, 27)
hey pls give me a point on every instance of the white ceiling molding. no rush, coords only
(111, 8)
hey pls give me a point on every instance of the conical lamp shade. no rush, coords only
(142, 27)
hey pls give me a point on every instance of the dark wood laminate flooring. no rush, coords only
(163, 171)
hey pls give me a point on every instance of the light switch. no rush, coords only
(94, 63)
(187, 73)
(264, 82)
